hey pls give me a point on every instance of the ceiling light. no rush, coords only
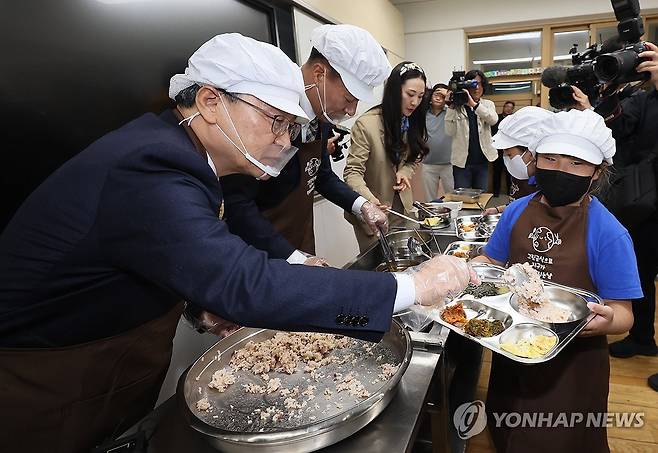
(508, 37)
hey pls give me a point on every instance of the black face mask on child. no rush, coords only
(560, 188)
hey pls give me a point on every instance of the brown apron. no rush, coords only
(520, 188)
(69, 399)
(576, 381)
(293, 217)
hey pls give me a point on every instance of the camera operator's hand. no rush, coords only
(650, 66)
(471, 102)
(582, 101)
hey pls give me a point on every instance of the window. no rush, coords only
(565, 41)
(651, 28)
(504, 54)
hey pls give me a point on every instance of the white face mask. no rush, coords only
(516, 167)
(276, 156)
(337, 119)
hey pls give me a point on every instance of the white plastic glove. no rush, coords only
(443, 277)
(374, 217)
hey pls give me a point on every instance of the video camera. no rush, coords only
(457, 84)
(613, 63)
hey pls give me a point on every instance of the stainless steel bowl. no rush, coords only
(443, 214)
(399, 264)
(305, 435)
(399, 243)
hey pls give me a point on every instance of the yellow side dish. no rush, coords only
(431, 221)
(533, 348)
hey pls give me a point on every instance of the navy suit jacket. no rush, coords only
(129, 227)
(246, 197)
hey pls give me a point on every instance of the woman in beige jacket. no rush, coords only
(388, 142)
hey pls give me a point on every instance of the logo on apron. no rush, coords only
(514, 188)
(543, 239)
(312, 166)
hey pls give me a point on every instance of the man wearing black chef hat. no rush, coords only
(95, 263)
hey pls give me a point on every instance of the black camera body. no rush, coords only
(457, 84)
(580, 75)
(597, 65)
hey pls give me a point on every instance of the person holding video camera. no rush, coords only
(633, 123)
(468, 122)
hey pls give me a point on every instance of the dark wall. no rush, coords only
(72, 70)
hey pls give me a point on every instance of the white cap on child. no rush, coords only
(576, 133)
(518, 128)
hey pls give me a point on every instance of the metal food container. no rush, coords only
(441, 213)
(573, 299)
(400, 265)
(227, 428)
(399, 243)
(466, 195)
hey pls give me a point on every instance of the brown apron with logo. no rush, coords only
(520, 188)
(293, 217)
(69, 399)
(554, 241)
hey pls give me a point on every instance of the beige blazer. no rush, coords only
(457, 128)
(369, 171)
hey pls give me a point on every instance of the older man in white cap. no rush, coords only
(95, 264)
(345, 65)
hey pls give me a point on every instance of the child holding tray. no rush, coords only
(571, 239)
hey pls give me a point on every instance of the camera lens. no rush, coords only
(612, 67)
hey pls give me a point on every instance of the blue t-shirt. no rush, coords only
(612, 262)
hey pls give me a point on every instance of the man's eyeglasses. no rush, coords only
(280, 125)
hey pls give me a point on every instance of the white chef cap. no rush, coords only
(581, 134)
(518, 128)
(355, 55)
(239, 64)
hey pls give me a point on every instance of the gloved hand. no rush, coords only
(442, 277)
(374, 217)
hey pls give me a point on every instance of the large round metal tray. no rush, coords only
(224, 428)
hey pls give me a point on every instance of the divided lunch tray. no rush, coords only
(518, 326)
(468, 229)
(470, 249)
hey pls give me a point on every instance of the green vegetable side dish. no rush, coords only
(485, 289)
(484, 327)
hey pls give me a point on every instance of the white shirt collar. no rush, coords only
(212, 165)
